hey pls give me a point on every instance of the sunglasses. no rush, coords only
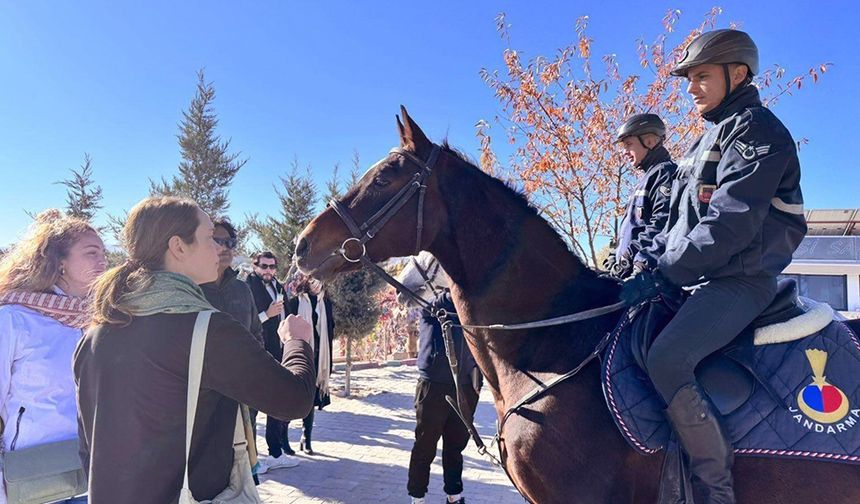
(229, 243)
(267, 266)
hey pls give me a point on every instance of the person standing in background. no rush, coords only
(269, 295)
(232, 296)
(45, 286)
(311, 304)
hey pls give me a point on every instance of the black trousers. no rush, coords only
(276, 437)
(436, 419)
(709, 319)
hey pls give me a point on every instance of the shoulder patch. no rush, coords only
(750, 152)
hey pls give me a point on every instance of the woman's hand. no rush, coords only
(295, 328)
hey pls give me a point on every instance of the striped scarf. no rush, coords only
(67, 310)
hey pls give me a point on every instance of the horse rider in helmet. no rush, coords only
(735, 218)
(642, 138)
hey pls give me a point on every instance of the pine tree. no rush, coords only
(207, 168)
(83, 197)
(298, 197)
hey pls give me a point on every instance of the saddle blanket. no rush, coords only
(815, 378)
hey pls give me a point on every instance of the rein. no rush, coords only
(361, 234)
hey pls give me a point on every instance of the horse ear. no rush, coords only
(410, 134)
(401, 131)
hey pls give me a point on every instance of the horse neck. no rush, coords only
(508, 266)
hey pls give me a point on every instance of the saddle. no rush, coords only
(729, 376)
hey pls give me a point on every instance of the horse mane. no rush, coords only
(515, 194)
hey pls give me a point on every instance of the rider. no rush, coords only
(736, 217)
(642, 138)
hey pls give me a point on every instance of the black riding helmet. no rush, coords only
(720, 47)
(641, 124)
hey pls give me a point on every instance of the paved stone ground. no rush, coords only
(362, 449)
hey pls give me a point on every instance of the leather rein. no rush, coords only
(361, 234)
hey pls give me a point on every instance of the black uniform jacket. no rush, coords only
(648, 209)
(736, 207)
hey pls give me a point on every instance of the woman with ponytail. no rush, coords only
(45, 283)
(132, 366)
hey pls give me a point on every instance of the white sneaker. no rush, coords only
(263, 467)
(283, 461)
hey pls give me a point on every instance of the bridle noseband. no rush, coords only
(361, 234)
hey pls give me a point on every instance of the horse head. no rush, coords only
(394, 210)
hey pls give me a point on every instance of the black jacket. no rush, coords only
(648, 209)
(737, 207)
(263, 299)
(233, 297)
(432, 362)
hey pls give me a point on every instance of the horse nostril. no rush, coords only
(302, 248)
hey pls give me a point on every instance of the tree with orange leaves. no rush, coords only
(561, 115)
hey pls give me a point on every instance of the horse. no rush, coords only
(508, 265)
(424, 276)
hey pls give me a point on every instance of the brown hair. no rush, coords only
(33, 264)
(149, 227)
(303, 284)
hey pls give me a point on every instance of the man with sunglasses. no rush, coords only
(269, 296)
(233, 296)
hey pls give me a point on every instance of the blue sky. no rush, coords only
(317, 80)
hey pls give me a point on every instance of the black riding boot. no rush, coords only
(697, 426)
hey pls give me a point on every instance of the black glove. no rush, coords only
(609, 262)
(622, 267)
(645, 286)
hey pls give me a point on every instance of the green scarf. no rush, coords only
(166, 292)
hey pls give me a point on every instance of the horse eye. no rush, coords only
(381, 181)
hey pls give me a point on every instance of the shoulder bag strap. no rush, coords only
(195, 372)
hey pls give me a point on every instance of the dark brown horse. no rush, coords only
(509, 266)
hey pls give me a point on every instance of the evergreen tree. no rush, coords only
(355, 309)
(298, 197)
(83, 197)
(207, 168)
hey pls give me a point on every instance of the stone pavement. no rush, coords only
(362, 447)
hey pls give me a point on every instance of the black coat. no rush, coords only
(262, 299)
(648, 209)
(293, 308)
(233, 297)
(736, 207)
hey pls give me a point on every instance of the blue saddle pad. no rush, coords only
(817, 379)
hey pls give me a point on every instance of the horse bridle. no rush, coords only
(361, 234)
(427, 276)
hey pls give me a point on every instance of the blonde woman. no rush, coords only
(44, 287)
(132, 365)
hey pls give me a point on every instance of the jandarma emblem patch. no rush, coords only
(825, 406)
(750, 152)
(705, 192)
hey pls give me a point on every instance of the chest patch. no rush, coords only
(705, 192)
(750, 152)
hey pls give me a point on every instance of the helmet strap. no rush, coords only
(728, 81)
